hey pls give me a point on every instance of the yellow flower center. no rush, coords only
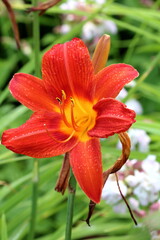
(78, 116)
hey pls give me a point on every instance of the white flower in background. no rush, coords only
(89, 31)
(135, 206)
(135, 105)
(120, 208)
(73, 4)
(131, 84)
(132, 103)
(139, 139)
(69, 5)
(134, 203)
(110, 191)
(152, 169)
(139, 183)
(70, 18)
(132, 181)
(146, 181)
(144, 193)
(149, 165)
(26, 48)
(109, 26)
(93, 30)
(65, 28)
(100, 1)
(123, 93)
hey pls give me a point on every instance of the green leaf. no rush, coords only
(4, 235)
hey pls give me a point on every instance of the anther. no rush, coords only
(59, 100)
(72, 100)
(63, 95)
(62, 108)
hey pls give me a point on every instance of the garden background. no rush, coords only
(134, 27)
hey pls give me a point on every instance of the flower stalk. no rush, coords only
(34, 200)
(36, 40)
(70, 206)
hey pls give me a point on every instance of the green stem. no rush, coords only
(70, 206)
(36, 47)
(36, 40)
(34, 200)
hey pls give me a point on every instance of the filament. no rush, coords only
(75, 126)
(59, 141)
(63, 95)
(72, 122)
(61, 104)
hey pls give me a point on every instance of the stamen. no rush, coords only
(59, 100)
(63, 95)
(64, 116)
(61, 105)
(59, 141)
(74, 125)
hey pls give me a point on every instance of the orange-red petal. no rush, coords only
(112, 79)
(36, 138)
(68, 67)
(30, 91)
(112, 117)
(85, 160)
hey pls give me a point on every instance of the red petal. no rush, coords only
(30, 91)
(112, 117)
(68, 67)
(85, 160)
(32, 138)
(112, 79)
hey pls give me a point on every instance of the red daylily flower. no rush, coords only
(73, 107)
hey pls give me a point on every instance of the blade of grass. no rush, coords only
(143, 77)
(4, 235)
(11, 116)
(135, 29)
